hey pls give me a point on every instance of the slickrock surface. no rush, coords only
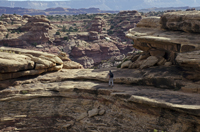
(80, 100)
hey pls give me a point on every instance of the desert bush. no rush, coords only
(7, 35)
(57, 33)
(66, 38)
(64, 29)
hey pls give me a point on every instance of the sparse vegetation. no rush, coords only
(57, 33)
(7, 35)
(24, 92)
(34, 43)
(66, 38)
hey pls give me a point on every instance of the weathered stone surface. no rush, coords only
(11, 62)
(78, 105)
(97, 24)
(126, 64)
(150, 61)
(173, 34)
(187, 21)
(189, 59)
(72, 65)
(93, 112)
(149, 22)
(16, 62)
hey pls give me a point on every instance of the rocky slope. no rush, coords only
(80, 100)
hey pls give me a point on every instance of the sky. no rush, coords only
(108, 4)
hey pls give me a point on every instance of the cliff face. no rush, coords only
(53, 102)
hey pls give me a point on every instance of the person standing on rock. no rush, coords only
(110, 75)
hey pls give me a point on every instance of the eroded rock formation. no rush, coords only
(16, 63)
(167, 36)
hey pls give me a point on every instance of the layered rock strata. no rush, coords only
(16, 63)
(52, 102)
(167, 36)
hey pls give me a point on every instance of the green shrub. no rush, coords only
(119, 66)
(24, 92)
(66, 38)
(64, 29)
(57, 33)
(34, 43)
(7, 35)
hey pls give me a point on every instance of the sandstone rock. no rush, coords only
(161, 61)
(72, 65)
(157, 52)
(126, 64)
(134, 65)
(3, 28)
(93, 112)
(134, 58)
(102, 112)
(150, 22)
(143, 56)
(93, 35)
(168, 63)
(172, 41)
(189, 60)
(16, 62)
(83, 35)
(187, 21)
(82, 116)
(63, 56)
(150, 61)
(97, 24)
(119, 58)
(11, 62)
(27, 16)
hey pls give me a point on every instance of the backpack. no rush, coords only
(111, 75)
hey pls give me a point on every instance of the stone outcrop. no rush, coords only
(16, 63)
(67, 63)
(187, 21)
(53, 102)
(38, 30)
(167, 36)
(24, 31)
(97, 24)
(88, 55)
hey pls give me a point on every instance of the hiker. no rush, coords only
(110, 75)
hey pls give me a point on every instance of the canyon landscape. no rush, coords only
(54, 72)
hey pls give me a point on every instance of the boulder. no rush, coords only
(143, 56)
(161, 61)
(63, 56)
(72, 65)
(126, 64)
(149, 62)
